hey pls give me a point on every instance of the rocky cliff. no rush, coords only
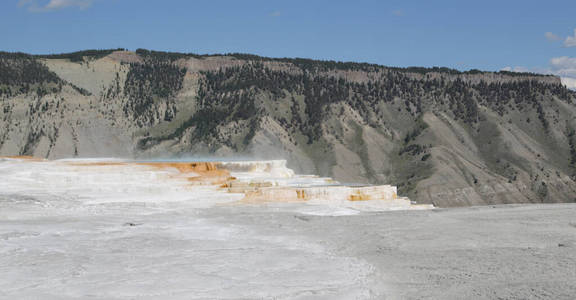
(444, 137)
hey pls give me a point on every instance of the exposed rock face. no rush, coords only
(441, 136)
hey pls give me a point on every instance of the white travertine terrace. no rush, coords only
(273, 181)
(113, 229)
(118, 229)
(201, 183)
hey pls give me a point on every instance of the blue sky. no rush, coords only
(487, 35)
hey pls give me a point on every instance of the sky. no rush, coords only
(535, 36)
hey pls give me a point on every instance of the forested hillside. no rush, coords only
(443, 136)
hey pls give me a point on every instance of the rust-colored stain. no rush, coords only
(234, 186)
(270, 195)
(301, 194)
(201, 168)
(199, 173)
(204, 172)
(359, 196)
(187, 167)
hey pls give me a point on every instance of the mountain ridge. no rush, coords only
(445, 137)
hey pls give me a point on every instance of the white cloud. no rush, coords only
(569, 82)
(275, 13)
(563, 67)
(516, 69)
(58, 4)
(552, 37)
(570, 41)
(52, 5)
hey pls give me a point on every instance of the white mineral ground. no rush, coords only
(69, 230)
